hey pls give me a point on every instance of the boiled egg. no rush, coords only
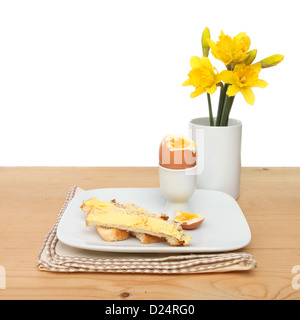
(177, 151)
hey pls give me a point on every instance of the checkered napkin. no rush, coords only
(57, 257)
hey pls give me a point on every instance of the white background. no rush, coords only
(99, 83)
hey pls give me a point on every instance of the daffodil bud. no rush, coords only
(205, 45)
(251, 57)
(271, 61)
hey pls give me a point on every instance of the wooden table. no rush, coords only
(31, 197)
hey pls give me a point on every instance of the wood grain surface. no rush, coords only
(31, 197)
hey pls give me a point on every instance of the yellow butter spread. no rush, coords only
(107, 215)
(98, 204)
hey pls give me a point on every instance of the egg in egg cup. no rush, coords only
(177, 172)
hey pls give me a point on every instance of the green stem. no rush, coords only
(225, 108)
(221, 104)
(225, 113)
(211, 118)
(229, 108)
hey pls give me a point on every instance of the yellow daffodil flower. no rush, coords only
(202, 76)
(271, 61)
(242, 79)
(230, 50)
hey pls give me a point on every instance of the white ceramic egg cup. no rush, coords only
(177, 186)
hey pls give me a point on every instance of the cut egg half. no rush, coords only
(188, 220)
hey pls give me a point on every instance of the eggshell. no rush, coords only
(191, 226)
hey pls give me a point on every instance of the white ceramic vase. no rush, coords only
(218, 155)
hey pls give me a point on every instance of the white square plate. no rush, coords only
(224, 228)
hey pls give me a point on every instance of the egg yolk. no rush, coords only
(185, 216)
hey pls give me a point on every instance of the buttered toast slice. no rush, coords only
(128, 206)
(112, 234)
(111, 216)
